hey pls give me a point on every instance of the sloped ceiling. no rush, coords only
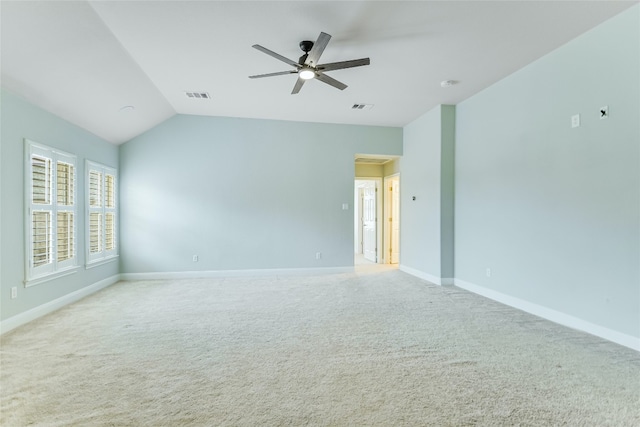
(88, 62)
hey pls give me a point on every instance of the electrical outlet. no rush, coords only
(318, 255)
(488, 272)
(14, 292)
(575, 120)
(195, 258)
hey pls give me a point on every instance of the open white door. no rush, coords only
(369, 218)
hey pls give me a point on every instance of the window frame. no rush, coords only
(103, 255)
(53, 267)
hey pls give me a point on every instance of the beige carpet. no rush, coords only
(368, 349)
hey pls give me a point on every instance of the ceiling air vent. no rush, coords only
(362, 106)
(199, 95)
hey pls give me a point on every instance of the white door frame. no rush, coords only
(379, 213)
(387, 214)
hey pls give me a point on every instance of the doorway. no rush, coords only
(368, 208)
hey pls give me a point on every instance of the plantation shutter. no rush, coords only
(102, 217)
(110, 213)
(66, 215)
(65, 183)
(95, 189)
(40, 180)
(51, 237)
(66, 249)
(110, 182)
(95, 216)
(41, 210)
(95, 232)
(41, 238)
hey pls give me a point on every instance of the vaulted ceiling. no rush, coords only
(118, 68)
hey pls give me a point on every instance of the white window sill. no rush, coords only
(56, 275)
(101, 261)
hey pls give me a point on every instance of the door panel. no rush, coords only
(369, 238)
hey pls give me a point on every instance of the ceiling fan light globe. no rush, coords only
(306, 74)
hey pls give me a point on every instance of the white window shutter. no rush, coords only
(50, 177)
(95, 189)
(40, 180)
(102, 213)
(41, 238)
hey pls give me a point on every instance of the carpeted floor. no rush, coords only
(368, 349)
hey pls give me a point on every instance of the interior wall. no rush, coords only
(447, 191)
(554, 211)
(369, 171)
(357, 229)
(20, 120)
(420, 218)
(242, 193)
(391, 168)
(426, 232)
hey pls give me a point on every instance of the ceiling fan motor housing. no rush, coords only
(306, 46)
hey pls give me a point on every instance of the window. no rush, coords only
(50, 226)
(101, 213)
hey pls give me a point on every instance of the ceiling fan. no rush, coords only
(307, 67)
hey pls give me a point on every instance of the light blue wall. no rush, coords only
(242, 193)
(426, 223)
(555, 211)
(447, 191)
(420, 218)
(20, 120)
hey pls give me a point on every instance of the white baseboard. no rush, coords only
(236, 273)
(447, 281)
(553, 315)
(51, 306)
(440, 281)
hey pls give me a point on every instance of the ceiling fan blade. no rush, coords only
(330, 81)
(317, 49)
(344, 64)
(280, 73)
(276, 55)
(298, 86)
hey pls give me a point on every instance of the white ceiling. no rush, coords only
(84, 61)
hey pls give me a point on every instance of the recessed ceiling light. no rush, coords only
(127, 108)
(447, 83)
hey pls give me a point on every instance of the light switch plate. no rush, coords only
(604, 112)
